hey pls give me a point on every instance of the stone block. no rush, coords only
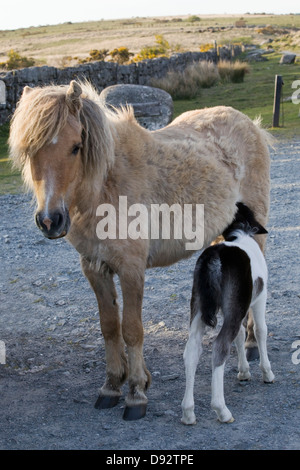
(153, 108)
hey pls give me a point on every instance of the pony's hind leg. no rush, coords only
(116, 362)
(191, 357)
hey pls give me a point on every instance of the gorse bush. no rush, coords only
(95, 54)
(206, 47)
(16, 61)
(193, 19)
(161, 48)
(120, 55)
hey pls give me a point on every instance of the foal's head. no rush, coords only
(59, 136)
(244, 221)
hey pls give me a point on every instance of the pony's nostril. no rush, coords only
(54, 224)
(57, 219)
(47, 222)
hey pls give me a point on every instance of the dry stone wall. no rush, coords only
(100, 74)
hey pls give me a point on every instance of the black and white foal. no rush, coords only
(231, 276)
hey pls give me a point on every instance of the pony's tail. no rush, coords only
(207, 284)
(270, 140)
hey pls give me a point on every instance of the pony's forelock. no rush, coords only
(40, 115)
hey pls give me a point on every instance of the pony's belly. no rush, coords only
(167, 252)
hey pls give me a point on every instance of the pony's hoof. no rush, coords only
(132, 413)
(106, 401)
(252, 354)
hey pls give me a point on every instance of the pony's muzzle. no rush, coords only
(53, 225)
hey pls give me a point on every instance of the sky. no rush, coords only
(24, 13)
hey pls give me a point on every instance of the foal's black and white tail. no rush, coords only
(206, 296)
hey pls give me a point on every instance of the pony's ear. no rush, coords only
(73, 97)
(27, 90)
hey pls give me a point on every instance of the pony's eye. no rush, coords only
(76, 149)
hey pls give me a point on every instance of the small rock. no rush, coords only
(288, 59)
(88, 346)
(170, 377)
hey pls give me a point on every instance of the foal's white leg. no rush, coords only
(217, 395)
(243, 365)
(191, 357)
(260, 330)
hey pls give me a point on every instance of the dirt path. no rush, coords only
(55, 361)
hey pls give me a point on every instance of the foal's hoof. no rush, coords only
(231, 420)
(106, 401)
(252, 354)
(131, 413)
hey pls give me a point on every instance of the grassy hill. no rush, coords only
(58, 44)
(254, 97)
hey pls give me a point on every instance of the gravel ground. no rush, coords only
(55, 361)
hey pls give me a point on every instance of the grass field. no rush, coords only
(254, 96)
(10, 180)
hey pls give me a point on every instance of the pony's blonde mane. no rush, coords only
(43, 112)
(40, 115)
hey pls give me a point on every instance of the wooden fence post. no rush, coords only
(277, 94)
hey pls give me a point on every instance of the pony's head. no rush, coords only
(60, 138)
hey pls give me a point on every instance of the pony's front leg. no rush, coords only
(132, 329)
(116, 362)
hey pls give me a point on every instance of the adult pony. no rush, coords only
(77, 155)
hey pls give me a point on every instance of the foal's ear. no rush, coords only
(259, 229)
(73, 96)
